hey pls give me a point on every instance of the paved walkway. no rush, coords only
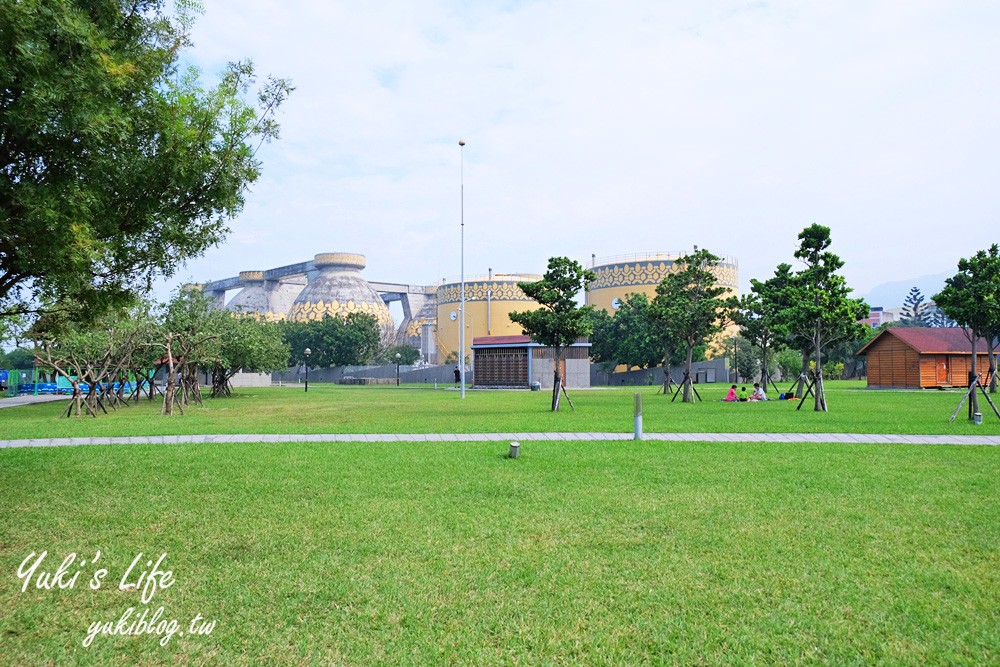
(15, 401)
(857, 438)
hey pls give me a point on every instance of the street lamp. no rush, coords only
(398, 355)
(461, 328)
(308, 352)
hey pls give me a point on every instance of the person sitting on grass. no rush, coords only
(758, 393)
(731, 396)
(743, 395)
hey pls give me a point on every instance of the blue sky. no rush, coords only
(610, 128)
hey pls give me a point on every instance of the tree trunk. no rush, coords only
(818, 390)
(800, 388)
(688, 398)
(556, 380)
(993, 363)
(168, 393)
(973, 375)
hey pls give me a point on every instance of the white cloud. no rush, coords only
(614, 128)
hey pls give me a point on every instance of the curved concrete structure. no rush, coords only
(336, 288)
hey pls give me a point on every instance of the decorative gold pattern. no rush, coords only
(251, 277)
(414, 327)
(305, 311)
(502, 291)
(266, 317)
(630, 274)
(346, 259)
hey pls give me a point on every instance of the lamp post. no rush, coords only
(461, 327)
(472, 357)
(307, 352)
(397, 368)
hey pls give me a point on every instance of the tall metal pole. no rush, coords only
(461, 326)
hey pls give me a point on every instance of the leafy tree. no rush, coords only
(189, 336)
(690, 307)
(746, 361)
(914, 313)
(631, 337)
(333, 341)
(17, 358)
(758, 315)
(972, 298)
(789, 362)
(408, 355)
(560, 321)
(604, 348)
(116, 166)
(833, 369)
(642, 342)
(246, 344)
(822, 310)
(89, 352)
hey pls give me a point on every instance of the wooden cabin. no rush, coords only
(923, 358)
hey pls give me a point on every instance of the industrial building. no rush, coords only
(333, 284)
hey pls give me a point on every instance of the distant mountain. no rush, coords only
(892, 295)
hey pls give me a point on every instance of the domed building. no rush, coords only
(337, 288)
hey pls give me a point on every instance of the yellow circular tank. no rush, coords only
(618, 276)
(488, 302)
(615, 277)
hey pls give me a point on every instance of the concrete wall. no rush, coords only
(251, 380)
(702, 371)
(577, 373)
(408, 374)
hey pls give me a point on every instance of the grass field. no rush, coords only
(449, 553)
(417, 409)
(576, 553)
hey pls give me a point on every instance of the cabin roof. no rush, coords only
(930, 340)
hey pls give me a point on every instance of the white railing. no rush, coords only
(649, 257)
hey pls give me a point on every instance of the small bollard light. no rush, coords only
(515, 450)
(638, 417)
(977, 418)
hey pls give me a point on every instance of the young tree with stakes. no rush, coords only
(559, 322)
(758, 315)
(821, 308)
(972, 298)
(690, 307)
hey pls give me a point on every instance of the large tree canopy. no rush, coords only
(114, 165)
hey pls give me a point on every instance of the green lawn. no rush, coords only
(418, 409)
(449, 553)
(576, 553)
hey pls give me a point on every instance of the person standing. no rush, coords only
(458, 377)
